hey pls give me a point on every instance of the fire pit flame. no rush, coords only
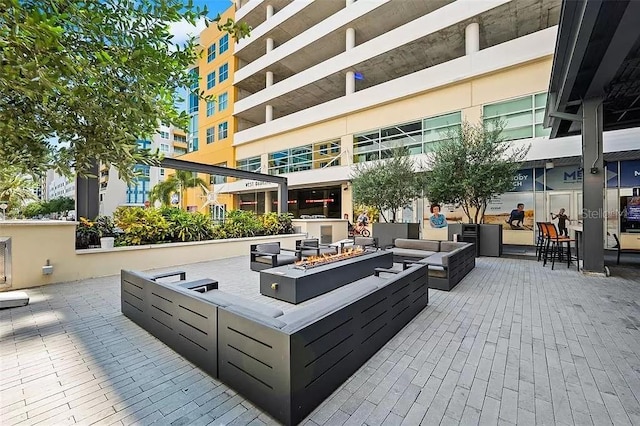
(313, 261)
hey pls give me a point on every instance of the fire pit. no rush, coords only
(315, 261)
(297, 283)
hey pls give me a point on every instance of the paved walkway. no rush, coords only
(513, 343)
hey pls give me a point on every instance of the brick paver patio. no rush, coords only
(513, 343)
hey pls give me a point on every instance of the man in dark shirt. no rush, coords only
(562, 222)
(516, 215)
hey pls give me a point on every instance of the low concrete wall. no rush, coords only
(35, 242)
(311, 227)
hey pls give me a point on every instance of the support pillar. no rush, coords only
(268, 113)
(267, 202)
(472, 38)
(593, 180)
(269, 11)
(283, 198)
(88, 194)
(350, 83)
(350, 39)
(269, 45)
(269, 79)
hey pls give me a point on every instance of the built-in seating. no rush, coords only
(270, 255)
(448, 261)
(286, 364)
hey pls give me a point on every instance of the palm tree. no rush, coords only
(177, 183)
(16, 188)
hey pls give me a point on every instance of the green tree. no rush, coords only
(387, 184)
(472, 166)
(80, 81)
(33, 209)
(61, 205)
(177, 183)
(16, 189)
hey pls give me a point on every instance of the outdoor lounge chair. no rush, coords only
(270, 255)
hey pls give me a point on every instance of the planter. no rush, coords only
(386, 233)
(467, 232)
(107, 242)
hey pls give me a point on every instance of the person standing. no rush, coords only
(562, 222)
(437, 219)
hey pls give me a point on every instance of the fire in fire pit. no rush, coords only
(313, 261)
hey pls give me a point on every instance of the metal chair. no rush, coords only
(554, 245)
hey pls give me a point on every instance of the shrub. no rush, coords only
(141, 226)
(87, 234)
(274, 223)
(241, 223)
(186, 226)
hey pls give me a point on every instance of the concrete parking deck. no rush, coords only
(513, 343)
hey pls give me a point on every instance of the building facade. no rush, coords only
(324, 85)
(115, 192)
(212, 124)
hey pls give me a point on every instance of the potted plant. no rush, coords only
(388, 185)
(106, 231)
(473, 165)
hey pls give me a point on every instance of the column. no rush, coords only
(283, 198)
(269, 11)
(472, 38)
(269, 45)
(268, 113)
(346, 158)
(350, 83)
(269, 79)
(593, 179)
(267, 201)
(88, 194)
(350, 39)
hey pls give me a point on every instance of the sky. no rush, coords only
(182, 30)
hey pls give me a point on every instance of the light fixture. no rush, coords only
(358, 76)
(549, 165)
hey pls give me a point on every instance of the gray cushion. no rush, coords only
(427, 245)
(270, 248)
(223, 299)
(437, 271)
(285, 259)
(255, 316)
(451, 245)
(329, 303)
(410, 252)
(441, 259)
(364, 241)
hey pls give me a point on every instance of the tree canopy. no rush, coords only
(472, 166)
(80, 81)
(177, 183)
(387, 184)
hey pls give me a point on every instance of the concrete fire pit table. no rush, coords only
(295, 284)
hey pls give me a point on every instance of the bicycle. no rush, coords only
(360, 230)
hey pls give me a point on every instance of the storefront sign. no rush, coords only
(568, 178)
(629, 174)
(523, 181)
(500, 207)
(255, 184)
(612, 174)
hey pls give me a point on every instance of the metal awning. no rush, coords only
(597, 56)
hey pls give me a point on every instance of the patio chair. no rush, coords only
(541, 239)
(270, 255)
(554, 245)
(312, 247)
(366, 243)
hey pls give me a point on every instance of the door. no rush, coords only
(560, 200)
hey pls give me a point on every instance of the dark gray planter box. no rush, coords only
(386, 233)
(297, 285)
(491, 240)
(467, 232)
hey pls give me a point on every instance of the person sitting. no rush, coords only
(516, 215)
(437, 220)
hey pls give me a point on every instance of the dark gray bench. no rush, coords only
(286, 364)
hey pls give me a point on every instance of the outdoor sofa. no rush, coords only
(448, 261)
(286, 364)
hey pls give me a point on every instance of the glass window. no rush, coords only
(326, 154)
(193, 133)
(217, 180)
(211, 108)
(251, 164)
(223, 101)
(522, 117)
(180, 138)
(193, 92)
(161, 172)
(222, 130)
(164, 135)
(211, 133)
(164, 147)
(224, 43)
(224, 73)
(211, 52)
(291, 160)
(211, 79)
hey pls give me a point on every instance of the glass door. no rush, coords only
(557, 200)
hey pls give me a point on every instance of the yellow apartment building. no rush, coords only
(212, 124)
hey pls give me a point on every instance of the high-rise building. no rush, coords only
(115, 192)
(57, 186)
(212, 124)
(324, 85)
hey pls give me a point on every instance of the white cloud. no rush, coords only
(183, 30)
